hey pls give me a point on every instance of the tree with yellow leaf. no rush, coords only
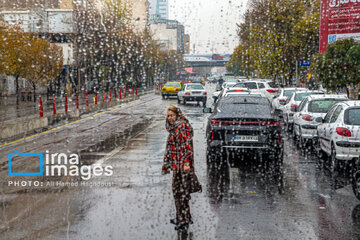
(24, 55)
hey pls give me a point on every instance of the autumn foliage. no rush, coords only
(24, 55)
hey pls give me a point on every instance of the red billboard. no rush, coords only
(339, 19)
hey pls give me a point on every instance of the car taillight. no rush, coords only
(177, 89)
(343, 132)
(282, 100)
(271, 91)
(187, 93)
(306, 117)
(164, 89)
(205, 93)
(212, 136)
(279, 138)
(294, 107)
(238, 90)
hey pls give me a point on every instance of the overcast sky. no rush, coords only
(210, 23)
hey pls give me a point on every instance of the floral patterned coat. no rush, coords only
(179, 150)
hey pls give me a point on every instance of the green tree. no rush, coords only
(339, 67)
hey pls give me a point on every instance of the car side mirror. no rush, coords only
(207, 110)
(319, 120)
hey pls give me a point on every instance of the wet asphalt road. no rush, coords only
(246, 202)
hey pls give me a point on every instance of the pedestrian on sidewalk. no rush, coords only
(179, 158)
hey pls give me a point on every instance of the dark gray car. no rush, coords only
(244, 126)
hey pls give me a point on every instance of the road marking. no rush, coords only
(68, 124)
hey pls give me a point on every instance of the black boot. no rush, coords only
(174, 221)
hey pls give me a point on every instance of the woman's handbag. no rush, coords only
(194, 183)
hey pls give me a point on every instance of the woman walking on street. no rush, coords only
(179, 157)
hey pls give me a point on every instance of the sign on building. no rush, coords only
(340, 19)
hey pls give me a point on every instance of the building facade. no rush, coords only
(169, 33)
(159, 8)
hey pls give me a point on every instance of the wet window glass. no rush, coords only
(251, 85)
(352, 116)
(336, 114)
(301, 96)
(172, 85)
(261, 85)
(287, 93)
(194, 87)
(322, 106)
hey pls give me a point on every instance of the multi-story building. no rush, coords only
(169, 33)
(159, 8)
(186, 44)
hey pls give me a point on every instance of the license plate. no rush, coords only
(241, 138)
(196, 93)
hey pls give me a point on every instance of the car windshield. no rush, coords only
(251, 85)
(172, 85)
(287, 93)
(194, 87)
(322, 105)
(301, 95)
(352, 116)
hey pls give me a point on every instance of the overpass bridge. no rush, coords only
(204, 63)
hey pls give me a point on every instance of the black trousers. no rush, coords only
(180, 187)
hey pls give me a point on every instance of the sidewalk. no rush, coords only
(9, 110)
(24, 119)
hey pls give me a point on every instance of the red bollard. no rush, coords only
(129, 91)
(110, 95)
(103, 96)
(95, 97)
(87, 99)
(115, 93)
(120, 93)
(54, 105)
(41, 108)
(135, 91)
(66, 103)
(77, 101)
(124, 92)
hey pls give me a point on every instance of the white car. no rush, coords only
(284, 93)
(339, 133)
(292, 104)
(266, 88)
(192, 92)
(232, 89)
(312, 110)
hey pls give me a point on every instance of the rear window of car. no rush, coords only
(172, 85)
(251, 85)
(235, 94)
(322, 105)
(194, 87)
(352, 116)
(240, 85)
(301, 96)
(287, 93)
(245, 108)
